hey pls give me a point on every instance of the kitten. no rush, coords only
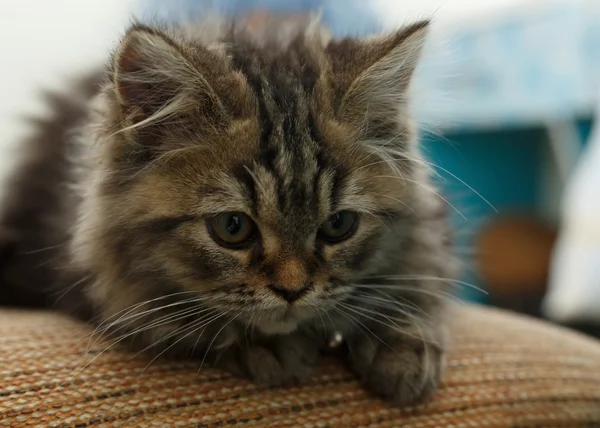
(240, 197)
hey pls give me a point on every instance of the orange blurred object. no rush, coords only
(514, 255)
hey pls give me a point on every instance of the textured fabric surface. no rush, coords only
(503, 370)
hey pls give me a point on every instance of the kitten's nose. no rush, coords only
(289, 294)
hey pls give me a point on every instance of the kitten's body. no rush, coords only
(108, 213)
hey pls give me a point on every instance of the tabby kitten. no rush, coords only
(240, 197)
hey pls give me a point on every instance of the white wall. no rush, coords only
(42, 44)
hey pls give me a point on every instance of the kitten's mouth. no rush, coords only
(283, 326)
(287, 315)
(290, 313)
(283, 322)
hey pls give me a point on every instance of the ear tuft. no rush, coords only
(376, 96)
(128, 64)
(151, 71)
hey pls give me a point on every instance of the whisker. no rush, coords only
(133, 307)
(403, 204)
(200, 336)
(326, 312)
(428, 188)
(170, 318)
(67, 290)
(450, 281)
(431, 164)
(394, 304)
(215, 338)
(347, 307)
(357, 323)
(182, 328)
(192, 328)
(138, 315)
(408, 289)
(116, 342)
(370, 311)
(382, 222)
(393, 326)
(253, 176)
(165, 318)
(426, 348)
(41, 250)
(404, 157)
(318, 309)
(405, 300)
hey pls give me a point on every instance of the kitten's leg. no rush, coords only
(404, 367)
(273, 360)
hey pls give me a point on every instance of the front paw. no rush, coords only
(275, 361)
(404, 372)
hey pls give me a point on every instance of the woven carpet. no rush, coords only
(503, 370)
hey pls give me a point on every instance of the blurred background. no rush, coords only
(506, 97)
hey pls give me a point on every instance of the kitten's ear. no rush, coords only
(152, 73)
(382, 72)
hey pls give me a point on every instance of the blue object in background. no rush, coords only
(585, 130)
(348, 17)
(502, 166)
(524, 67)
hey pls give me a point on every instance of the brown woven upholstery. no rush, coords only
(504, 370)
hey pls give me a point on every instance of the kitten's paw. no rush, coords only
(402, 372)
(276, 361)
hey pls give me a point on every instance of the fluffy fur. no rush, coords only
(107, 211)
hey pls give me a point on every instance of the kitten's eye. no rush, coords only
(232, 230)
(339, 227)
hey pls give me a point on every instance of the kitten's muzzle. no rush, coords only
(290, 294)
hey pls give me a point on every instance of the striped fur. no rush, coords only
(190, 123)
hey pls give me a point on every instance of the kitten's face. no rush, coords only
(265, 191)
(269, 237)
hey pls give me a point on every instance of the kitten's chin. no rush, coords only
(282, 320)
(270, 327)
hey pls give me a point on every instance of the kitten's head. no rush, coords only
(253, 179)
